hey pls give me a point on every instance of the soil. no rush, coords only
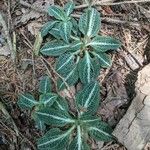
(127, 22)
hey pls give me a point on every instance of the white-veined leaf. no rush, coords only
(57, 12)
(26, 101)
(54, 48)
(70, 78)
(88, 119)
(45, 85)
(55, 31)
(75, 46)
(103, 43)
(54, 139)
(40, 124)
(61, 104)
(48, 99)
(78, 143)
(69, 8)
(75, 28)
(64, 63)
(88, 99)
(87, 68)
(65, 30)
(54, 117)
(101, 132)
(89, 23)
(47, 27)
(104, 59)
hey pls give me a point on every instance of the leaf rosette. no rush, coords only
(79, 50)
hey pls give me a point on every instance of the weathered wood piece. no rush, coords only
(133, 130)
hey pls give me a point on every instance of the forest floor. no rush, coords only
(128, 21)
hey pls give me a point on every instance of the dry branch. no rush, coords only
(101, 3)
(8, 38)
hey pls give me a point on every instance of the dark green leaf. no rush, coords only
(61, 104)
(69, 8)
(75, 28)
(45, 85)
(103, 44)
(67, 69)
(54, 48)
(78, 143)
(89, 23)
(101, 132)
(64, 63)
(26, 101)
(88, 119)
(54, 139)
(88, 99)
(65, 30)
(87, 68)
(104, 59)
(48, 99)
(75, 46)
(57, 12)
(55, 31)
(40, 125)
(70, 78)
(54, 117)
(46, 27)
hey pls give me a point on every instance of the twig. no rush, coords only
(117, 3)
(26, 139)
(123, 22)
(9, 42)
(5, 112)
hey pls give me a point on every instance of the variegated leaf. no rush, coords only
(48, 99)
(88, 99)
(54, 48)
(40, 124)
(26, 101)
(67, 69)
(89, 23)
(47, 27)
(76, 46)
(54, 139)
(88, 119)
(65, 63)
(70, 78)
(69, 7)
(65, 30)
(103, 44)
(101, 132)
(57, 12)
(88, 68)
(55, 31)
(75, 28)
(104, 59)
(45, 85)
(61, 104)
(54, 117)
(78, 143)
